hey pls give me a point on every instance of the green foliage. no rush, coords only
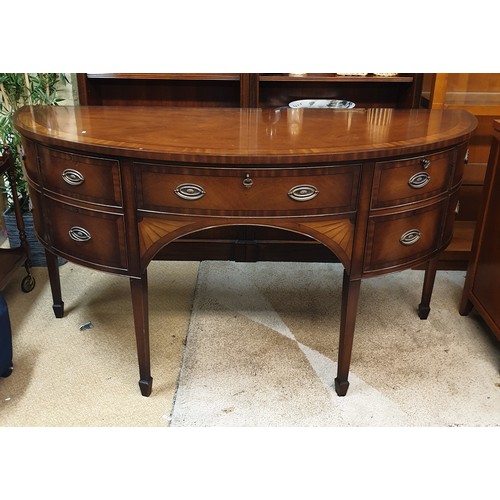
(17, 90)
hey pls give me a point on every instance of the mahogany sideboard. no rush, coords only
(111, 186)
(481, 288)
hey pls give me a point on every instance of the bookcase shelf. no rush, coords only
(246, 89)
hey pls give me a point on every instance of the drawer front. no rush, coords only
(462, 158)
(30, 163)
(39, 220)
(403, 237)
(88, 178)
(94, 237)
(400, 182)
(247, 192)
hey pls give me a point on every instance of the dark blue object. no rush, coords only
(5, 340)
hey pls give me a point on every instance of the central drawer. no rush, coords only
(247, 192)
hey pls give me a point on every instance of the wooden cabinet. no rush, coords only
(246, 89)
(186, 171)
(481, 289)
(478, 93)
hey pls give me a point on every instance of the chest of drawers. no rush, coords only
(112, 187)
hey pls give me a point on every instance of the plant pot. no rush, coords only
(37, 250)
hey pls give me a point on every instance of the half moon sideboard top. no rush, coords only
(245, 136)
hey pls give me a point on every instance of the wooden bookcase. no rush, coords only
(478, 93)
(246, 89)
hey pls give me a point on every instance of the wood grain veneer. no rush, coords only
(113, 187)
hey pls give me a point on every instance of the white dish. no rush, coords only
(322, 103)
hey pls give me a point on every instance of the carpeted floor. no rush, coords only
(66, 377)
(261, 351)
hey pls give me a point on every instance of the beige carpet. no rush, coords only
(262, 350)
(66, 377)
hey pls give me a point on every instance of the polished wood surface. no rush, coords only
(245, 136)
(482, 282)
(113, 187)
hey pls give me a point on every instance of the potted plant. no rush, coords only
(17, 90)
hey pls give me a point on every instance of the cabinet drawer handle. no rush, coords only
(425, 163)
(248, 181)
(303, 192)
(189, 191)
(419, 180)
(77, 233)
(72, 177)
(410, 237)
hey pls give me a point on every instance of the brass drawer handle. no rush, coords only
(247, 181)
(425, 163)
(72, 177)
(189, 191)
(410, 237)
(304, 192)
(419, 180)
(79, 234)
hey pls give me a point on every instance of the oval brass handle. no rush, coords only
(304, 192)
(72, 177)
(247, 181)
(419, 180)
(79, 234)
(189, 191)
(410, 237)
(425, 163)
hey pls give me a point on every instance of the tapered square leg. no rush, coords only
(350, 296)
(55, 284)
(429, 278)
(139, 292)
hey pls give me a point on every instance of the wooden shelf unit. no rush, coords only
(246, 89)
(402, 91)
